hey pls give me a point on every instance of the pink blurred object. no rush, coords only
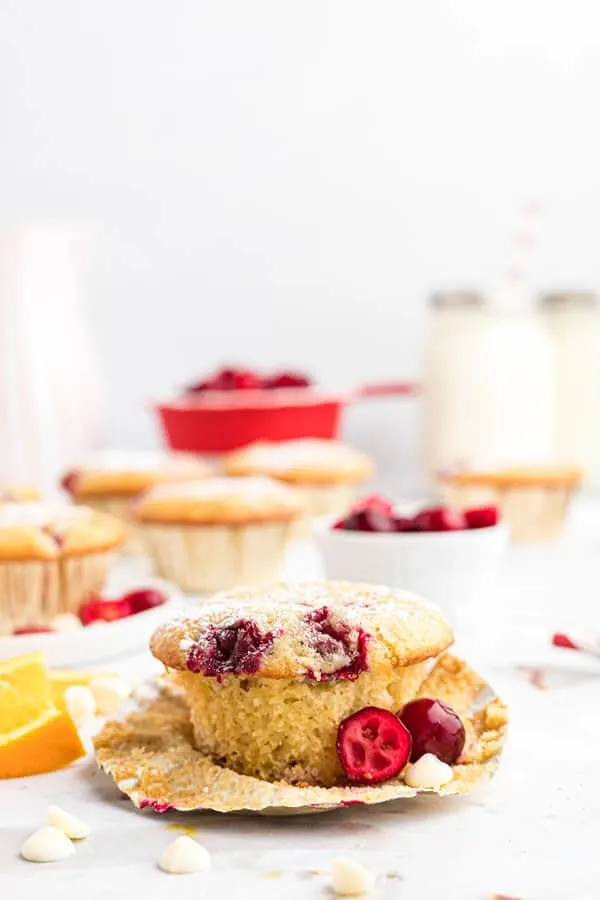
(51, 385)
(566, 642)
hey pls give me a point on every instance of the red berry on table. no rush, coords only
(366, 520)
(482, 516)
(439, 518)
(434, 728)
(286, 380)
(33, 629)
(143, 599)
(371, 747)
(98, 609)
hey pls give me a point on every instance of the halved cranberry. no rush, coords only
(98, 609)
(374, 501)
(143, 599)
(286, 380)
(370, 519)
(69, 481)
(434, 728)
(481, 516)
(439, 518)
(371, 747)
(231, 649)
(33, 629)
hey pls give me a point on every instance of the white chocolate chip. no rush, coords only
(350, 878)
(66, 622)
(184, 857)
(80, 703)
(47, 845)
(65, 821)
(428, 772)
(109, 693)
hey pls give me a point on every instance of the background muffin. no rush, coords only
(111, 481)
(213, 534)
(270, 674)
(327, 473)
(51, 559)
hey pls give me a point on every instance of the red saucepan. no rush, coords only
(220, 421)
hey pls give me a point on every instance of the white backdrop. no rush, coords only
(284, 182)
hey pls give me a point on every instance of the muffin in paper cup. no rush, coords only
(211, 535)
(264, 688)
(326, 473)
(160, 750)
(51, 559)
(113, 480)
(534, 501)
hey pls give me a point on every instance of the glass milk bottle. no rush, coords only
(573, 318)
(488, 385)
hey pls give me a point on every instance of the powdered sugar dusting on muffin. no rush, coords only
(304, 452)
(252, 489)
(39, 513)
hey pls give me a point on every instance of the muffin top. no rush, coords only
(526, 476)
(19, 493)
(214, 501)
(304, 461)
(320, 630)
(43, 531)
(130, 472)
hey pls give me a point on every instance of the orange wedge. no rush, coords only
(27, 674)
(46, 743)
(61, 679)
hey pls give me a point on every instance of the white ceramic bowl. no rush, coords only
(458, 570)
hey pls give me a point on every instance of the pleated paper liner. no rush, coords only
(148, 751)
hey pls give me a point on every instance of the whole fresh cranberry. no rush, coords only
(439, 518)
(228, 379)
(69, 481)
(404, 523)
(33, 629)
(434, 728)
(286, 380)
(369, 519)
(482, 516)
(100, 609)
(374, 501)
(143, 599)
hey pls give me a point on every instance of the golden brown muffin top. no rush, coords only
(130, 472)
(19, 493)
(318, 630)
(525, 476)
(219, 501)
(303, 461)
(43, 531)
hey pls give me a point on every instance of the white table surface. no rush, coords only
(532, 833)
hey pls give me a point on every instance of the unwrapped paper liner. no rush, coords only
(148, 751)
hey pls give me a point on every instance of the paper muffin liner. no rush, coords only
(30, 593)
(206, 558)
(120, 508)
(148, 750)
(532, 513)
(81, 576)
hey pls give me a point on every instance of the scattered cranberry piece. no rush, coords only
(329, 639)
(482, 516)
(232, 649)
(368, 519)
(143, 599)
(33, 629)
(439, 518)
(434, 728)
(371, 747)
(98, 609)
(69, 481)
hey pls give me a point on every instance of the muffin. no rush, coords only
(533, 500)
(111, 481)
(327, 473)
(213, 534)
(270, 675)
(51, 558)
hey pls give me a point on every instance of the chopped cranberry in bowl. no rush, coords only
(451, 556)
